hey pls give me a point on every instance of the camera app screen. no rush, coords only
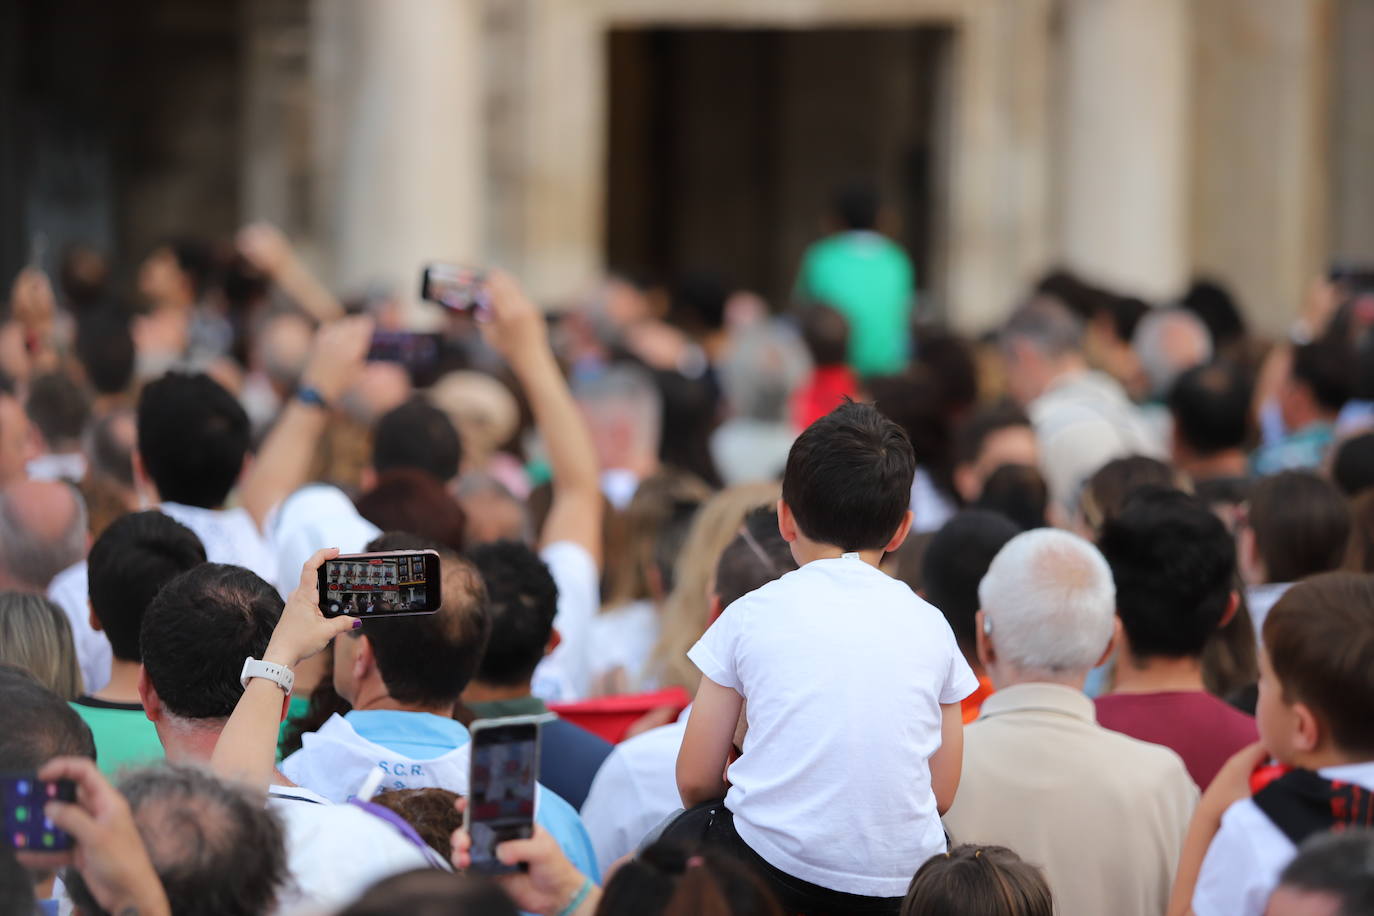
(362, 587)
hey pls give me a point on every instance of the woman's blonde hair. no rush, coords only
(634, 535)
(35, 636)
(688, 606)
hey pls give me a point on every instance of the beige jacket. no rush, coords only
(1104, 815)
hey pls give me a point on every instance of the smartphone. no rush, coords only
(463, 289)
(502, 787)
(418, 353)
(380, 584)
(26, 827)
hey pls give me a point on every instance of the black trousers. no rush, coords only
(795, 895)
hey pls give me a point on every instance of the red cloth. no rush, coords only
(973, 703)
(611, 717)
(1200, 728)
(827, 389)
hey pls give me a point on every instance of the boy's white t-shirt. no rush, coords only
(844, 670)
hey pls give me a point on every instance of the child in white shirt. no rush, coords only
(855, 737)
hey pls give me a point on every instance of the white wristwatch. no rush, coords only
(280, 675)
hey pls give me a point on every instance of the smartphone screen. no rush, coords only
(26, 826)
(462, 289)
(501, 788)
(380, 584)
(418, 353)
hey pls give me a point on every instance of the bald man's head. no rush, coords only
(42, 532)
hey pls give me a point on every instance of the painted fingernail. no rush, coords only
(357, 622)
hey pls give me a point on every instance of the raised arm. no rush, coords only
(517, 330)
(270, 251)
(247, 748)
(282, 464)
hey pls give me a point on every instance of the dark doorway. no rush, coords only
(725, 146)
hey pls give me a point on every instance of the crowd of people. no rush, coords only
(827, 608)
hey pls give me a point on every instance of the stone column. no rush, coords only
(399, 137)
(1122, 168)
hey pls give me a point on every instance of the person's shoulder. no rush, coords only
(1142, 760)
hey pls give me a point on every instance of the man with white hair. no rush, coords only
(624, 410)
(1104, 815)
(1169, 342)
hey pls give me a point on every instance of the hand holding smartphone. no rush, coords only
(502, 788)
(389, 584)
(463, 289)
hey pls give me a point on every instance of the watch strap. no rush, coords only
(280, 675)
(310, 395)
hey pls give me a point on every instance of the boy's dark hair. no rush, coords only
(1210, 406)
(1173, 562)
(1340, 865)
(825, 331)
(196, 259)
(971, 435)
(1301, 524)
(417, 435)
(1320, 640)
(192, 436)
(856, 205)
(429, 892)
(523, 598)
(217, 850)
(755, 557)
(1017, 491)
(1217, 308)
(129, 563)
(978, 879)
(59, 408)
(1326, 368)
(1353, 466)
(848, 478)
(955, 561)
(198, 630)
(429, 658)
(664, 879)
(105, 348)
(36, 724)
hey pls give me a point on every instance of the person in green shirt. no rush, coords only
(868, 278)
(128, 564)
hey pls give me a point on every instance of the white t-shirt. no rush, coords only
(1249, 853)
(624, 638)
(635, 789)
(845, 671)
(335, 852)
(228, 536)
(564, 675)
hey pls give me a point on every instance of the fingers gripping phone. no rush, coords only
(390, 584)
(501, 787)
(463, 289)
(27, 828)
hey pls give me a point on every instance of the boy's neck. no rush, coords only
(123, 685)
(1157, 674)
(1326, 757)
(804, 551)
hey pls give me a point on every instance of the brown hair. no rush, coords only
(1359, 552)
(1300, 522)
(1107, 490)
(430, 811)
(659, 505)
(35, 636)
(1320, 640)
(415, 502)
(981, 880)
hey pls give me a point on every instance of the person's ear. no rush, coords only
(1252, 566)
(900, 535)
(1232, 608)
(91, 618)
(246, 466)
(367, 479)
(143, 484)
(982, 637)
(555, 638)
(364, 661)
(152, 703)
(1307, 729)
(967, 484)
(1117, 637)
(787, 525)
